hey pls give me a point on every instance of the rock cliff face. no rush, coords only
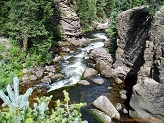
(132, 26)
(141, 51)
(67, 18)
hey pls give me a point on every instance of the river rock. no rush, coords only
(125, 111)
(107, 43)
(46, 79)
(118, 80)
(39, 73)
(123, 92)
(147, 100)
(98, 81)
(118, 106)
(123, 96)
(57, 59)
(89, 72)
(101, 115)
(106, 106)
(57, 76)
(84, 82)
(50, 68)
(107, 72)
(33, 78)
(50, 74)
(79, 42)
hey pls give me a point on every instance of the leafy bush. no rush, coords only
(20, 112)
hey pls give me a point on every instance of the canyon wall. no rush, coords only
(140, 51)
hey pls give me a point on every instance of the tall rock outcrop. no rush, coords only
(132, 26)
(67, 18)
(148, 94)
(141, 53)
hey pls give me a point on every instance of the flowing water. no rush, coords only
(73, 67)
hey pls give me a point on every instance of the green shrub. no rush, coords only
(20, 112)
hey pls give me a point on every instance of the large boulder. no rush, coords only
(103, 61)
(147, 100)
(79, 42)
(89, 72)
(101, 115)
(106, 106)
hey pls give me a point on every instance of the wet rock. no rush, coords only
(98, 81)
(50, 74)
(109, 88)
(79, 42)
(107, 72)
(89, 72)
(57, 59)
(46, 79)
(123, 92)
(123, 96)
(98, 25)
(39, 73)
(33, 78)
(26, 70)
(107, 43)
(50, 68)
(120, 71)
(84, 82)
(118, 80)
(101, 65)
(57, 76)
(101, 115)
(125, 111)
(106, 106)
(147, 100)
(118, 106)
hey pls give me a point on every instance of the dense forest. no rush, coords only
(32, 37)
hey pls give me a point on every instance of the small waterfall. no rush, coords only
(74, 64)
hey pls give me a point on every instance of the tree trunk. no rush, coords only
(25, 40)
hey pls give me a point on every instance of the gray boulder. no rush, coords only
(89, 72)
(46, 79)
(84, 82)
(106, 106)
(33, 78)
(57, 59)
(50, 68)
(147, 100)
(39, 73)
(57, 76)
(98, 81)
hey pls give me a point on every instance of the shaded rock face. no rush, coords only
(67, 18)
(132, 26)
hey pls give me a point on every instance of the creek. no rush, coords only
(72, 67)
